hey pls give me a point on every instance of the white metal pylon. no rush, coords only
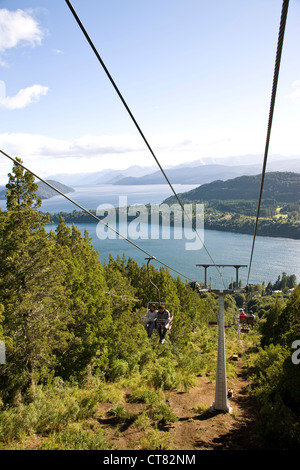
(221, 402)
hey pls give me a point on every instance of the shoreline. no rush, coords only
(263, 231)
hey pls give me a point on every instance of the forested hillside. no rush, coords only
(232, 205)
(44, 191)
(75, 340)
(278, 186)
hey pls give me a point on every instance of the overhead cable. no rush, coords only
(284, 11)
(93, 215)
(135, 122)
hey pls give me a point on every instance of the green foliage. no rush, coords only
(231, 205)
(268, 367)
(73, 439)
(144, 393)
(50, 410)
(283, 283)
(278, 186)
(277, 378)
(66, 319)
(156, 440)
(163, 374)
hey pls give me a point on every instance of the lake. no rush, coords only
(272, 256)
(90, 197)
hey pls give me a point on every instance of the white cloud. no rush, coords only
(37, 146)
(89, 153)
(24, 97)
(295, 94)
(18, 28)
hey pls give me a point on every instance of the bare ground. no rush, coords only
(194, 429)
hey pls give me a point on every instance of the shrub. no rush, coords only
(49, 411)
(163, 375)
(72, 439)
(162, 413)
(145, 394)
(156, 440)
(268, 368)
(119, 369)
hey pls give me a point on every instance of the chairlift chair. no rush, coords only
(242, 319)
(212, 322)
(168, 305)
(250, 319)
(244, 329)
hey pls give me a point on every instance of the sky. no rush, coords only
(196, 75)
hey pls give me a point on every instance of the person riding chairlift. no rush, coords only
(151, 320)
(242, 317)
(163, 322)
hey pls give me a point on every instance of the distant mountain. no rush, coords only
(188, 175)
(207, 173)
(278, 186)
(204, 170)
(107, 176)
(44, 191)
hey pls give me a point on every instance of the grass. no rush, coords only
(155, 440)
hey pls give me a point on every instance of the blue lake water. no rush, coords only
(90, 197)
(272, 256)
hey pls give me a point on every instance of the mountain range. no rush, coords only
(197, 172)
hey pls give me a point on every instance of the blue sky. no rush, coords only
(197, 76)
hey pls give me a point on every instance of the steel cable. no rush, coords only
(284, 11)
(93, 215)
(136, 124)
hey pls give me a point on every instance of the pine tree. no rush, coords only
(287, 328)
(30, 289)
(90, 320)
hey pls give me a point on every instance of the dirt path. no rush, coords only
(198, 428)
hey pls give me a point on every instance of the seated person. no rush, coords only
(150, 319)
(163, 321)
(242, 317)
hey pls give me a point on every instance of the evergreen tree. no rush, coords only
(287, 328)
(90, 321)
(30, 289)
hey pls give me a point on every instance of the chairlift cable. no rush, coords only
(92, 215)
(136, 124)
(271, 112)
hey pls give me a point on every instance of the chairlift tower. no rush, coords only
(221, 403)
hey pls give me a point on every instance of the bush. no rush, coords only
(156, 440)
(163, 375)
(119, 369)
(278, 397)
(50, 410)
(145, 394)
(72, 439)
(268, 368)
(278, 426)
(162, 413)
